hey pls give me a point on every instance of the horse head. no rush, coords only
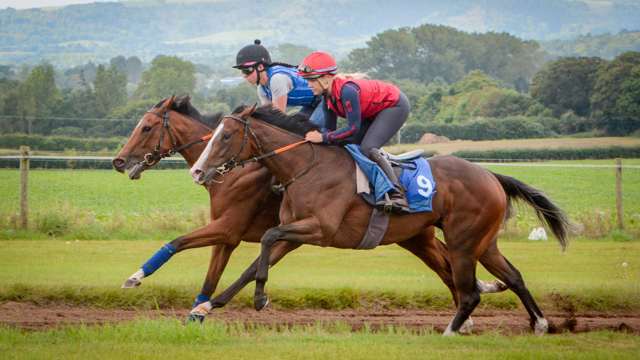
(232, 141)
(163, 130)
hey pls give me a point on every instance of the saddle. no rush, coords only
(404, 157)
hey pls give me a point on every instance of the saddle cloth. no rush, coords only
(415, 177)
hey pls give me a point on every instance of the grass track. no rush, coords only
(590, 275)
(170, 339)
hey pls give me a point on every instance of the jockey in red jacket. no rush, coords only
(378, 108)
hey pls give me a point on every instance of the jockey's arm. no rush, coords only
(280, 85)
(280, 103)
(351, 105)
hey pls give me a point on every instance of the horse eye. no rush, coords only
(226, 136)
(146, 129)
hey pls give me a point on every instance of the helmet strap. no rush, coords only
(324, 82)
(264, 69)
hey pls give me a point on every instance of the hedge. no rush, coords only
(59, 143)
(551, 154)
(513, 127)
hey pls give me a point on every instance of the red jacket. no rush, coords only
(375, 96)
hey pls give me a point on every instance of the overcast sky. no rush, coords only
(27, 4)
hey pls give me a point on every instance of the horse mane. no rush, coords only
(297, 123)
(182, 105)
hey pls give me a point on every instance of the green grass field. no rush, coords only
(549, 143)
(170, 339)
(100, 204)
(590, 275)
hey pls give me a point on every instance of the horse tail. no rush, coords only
(548, 212)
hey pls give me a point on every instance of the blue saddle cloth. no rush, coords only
(416, 178)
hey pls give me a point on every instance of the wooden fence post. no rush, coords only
(619, 193)
(24, 186)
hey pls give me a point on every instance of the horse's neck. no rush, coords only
(192, 132)
(294, 162)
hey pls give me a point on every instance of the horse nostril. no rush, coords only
(118, 164)
(196, 174)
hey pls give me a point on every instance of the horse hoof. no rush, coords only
(195, 318)
(131, 283)
(467, 327)
(541, 327)
(260, 302)
(495, 286)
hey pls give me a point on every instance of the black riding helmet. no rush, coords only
(252, 54)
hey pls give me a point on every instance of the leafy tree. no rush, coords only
(427, 106)
(427, 52)
(133, 69)
(168, 75)
(38, 94)
(120, 63)
(110, 89)
(234, 96)
(78, 103)
(478, 95)
(9, 96)
(289, 53)
(134, 109)
(566, 85)
(616, 87)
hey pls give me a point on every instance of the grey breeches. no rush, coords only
(385, 125)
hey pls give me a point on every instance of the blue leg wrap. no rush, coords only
(158, 259)
(199, 300)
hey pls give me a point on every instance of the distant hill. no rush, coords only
(207, 31)
(606, 46)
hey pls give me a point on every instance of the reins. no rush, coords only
(232, 163)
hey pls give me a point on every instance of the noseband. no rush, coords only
(232, 163)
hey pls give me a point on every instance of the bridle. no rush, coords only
(233, 163)
(152, 158)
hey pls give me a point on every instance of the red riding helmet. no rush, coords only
(316, 64)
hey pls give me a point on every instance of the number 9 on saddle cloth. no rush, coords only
(415, 176)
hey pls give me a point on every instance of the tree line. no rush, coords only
(461, 85)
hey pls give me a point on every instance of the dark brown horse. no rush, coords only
(243, 207)
(320, 205)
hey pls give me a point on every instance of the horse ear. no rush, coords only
(169, 102)
(247, 111)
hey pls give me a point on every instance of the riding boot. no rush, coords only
(397, 197)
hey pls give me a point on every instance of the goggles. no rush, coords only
(304, 68)
(246, 71)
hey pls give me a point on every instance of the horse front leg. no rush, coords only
(211, 234)
(220, 255)
(278, 252)
(306, 231)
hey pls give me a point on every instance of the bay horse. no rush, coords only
(320, 205)
(242, 207)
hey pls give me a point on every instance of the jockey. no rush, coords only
(278, 84)
(378, 107)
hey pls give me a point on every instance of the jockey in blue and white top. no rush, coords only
(277, 83)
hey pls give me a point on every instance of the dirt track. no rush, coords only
(34, 317)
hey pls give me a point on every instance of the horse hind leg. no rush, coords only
(435, 255)
(499, 266)
(465, 238)
(463, 267)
